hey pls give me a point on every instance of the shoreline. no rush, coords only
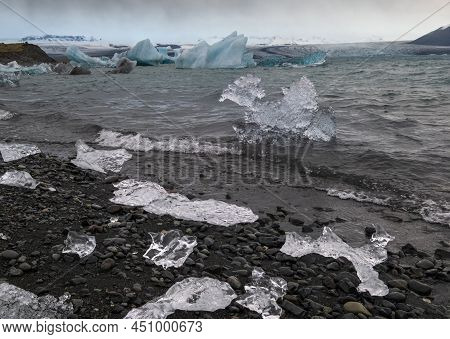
(37, 223)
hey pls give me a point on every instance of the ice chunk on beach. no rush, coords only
(14, 68)
(170, 249)
(11, 152)
(131, 192)
(230, 52)
(16, 303)
(297, 112)
(157, 200)
(80, 244)
(145, 54)
(3, 237)
(136, 142)
(191, 294)
(6, 115)
(100, 160)
(210, 211)
(78, 58)
(330, 245)
(18, 179)
(262, 294)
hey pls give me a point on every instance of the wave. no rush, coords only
(137, 142)
(435, 213)
(358, 196)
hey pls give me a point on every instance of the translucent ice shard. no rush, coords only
(363, 258)
(297, 112)
(6, 115)
(157, 200)
(262, 294)
(18, 179)
(191, 294)
(11, 152)
(80, 244)
(78, 58)
(170, 249)
(16, 303)
(100, 160)
(230, 52)
(3, 237)
(131, 192)
(210, 211)
(145, 54)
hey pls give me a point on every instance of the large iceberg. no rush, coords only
(16, 303)
(230, 52)
(99, 160)
(11, 152)
(170, 249)
(191, 294)
(78, 58)
(363, 258)
(157, 200)
(145, 54)
(262, 294)
(297, 112)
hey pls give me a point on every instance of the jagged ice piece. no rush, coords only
(11, 152)
(80, 244)
(18, 179)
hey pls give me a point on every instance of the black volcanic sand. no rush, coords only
(116, 278)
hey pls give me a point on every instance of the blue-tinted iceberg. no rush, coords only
(145, 54)
(230, 52)
(169, 55)
(292, 55)
(78, 58)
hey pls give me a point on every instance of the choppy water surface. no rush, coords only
(392, 115)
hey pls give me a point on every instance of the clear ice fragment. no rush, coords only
(18, 179)
(3, 237)
(297, 112)
(131, 192)
(157, 200)
(210, 211)
(262, 294)
(16, 303)
(80, 244)
(100, 160)
(11, 152)
(170, 249)
(330, 245)
(191, 294)
(13, 68)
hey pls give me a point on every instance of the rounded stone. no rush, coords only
(356, 308)
(9, 254)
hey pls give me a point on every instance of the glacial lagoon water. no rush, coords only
(391, 111)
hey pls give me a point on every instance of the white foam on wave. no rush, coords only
(357, 196)
(435, 213)
(136, 142)
(155, 199)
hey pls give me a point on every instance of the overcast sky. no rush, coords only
(184, 21)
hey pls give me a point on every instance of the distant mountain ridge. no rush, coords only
(52, 37)
(439, 37)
